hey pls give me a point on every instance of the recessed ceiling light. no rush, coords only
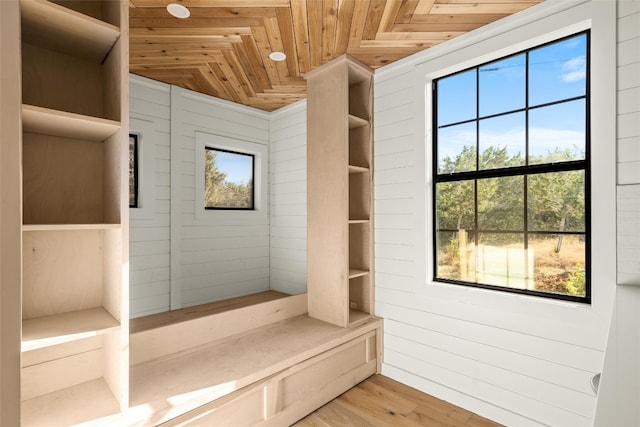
(178, 10)
(277, 56)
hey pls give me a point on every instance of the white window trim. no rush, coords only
(563, 19)
(260, 183)
(145, 131)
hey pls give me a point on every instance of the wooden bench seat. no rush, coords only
(272, 375)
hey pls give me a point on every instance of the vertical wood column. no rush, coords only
(10, 213)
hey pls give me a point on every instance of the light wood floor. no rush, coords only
(380, 401)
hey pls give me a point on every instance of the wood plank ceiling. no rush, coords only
(223, 48)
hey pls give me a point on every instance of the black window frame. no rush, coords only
(253, 179)
(526, 170)
(136, 168)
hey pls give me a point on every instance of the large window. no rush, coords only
(511, 173)
(228, 178)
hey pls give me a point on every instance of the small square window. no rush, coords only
(133, 171)
(228, 180)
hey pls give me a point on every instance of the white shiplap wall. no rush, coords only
(629, 142)
(620, 385)
(213, 257)
(288, 196)
(149, 231)
(180, 258)
(518, 360)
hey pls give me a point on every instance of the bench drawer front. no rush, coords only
(294, 392)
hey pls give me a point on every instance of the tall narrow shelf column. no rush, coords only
(10, 214)
(339, 191)
(74, 362)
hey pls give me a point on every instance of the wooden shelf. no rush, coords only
(360, 200)
(357, 316)
(69, 227)
(61, 123)
(83, 403)
(358, 221)
(354, 272)
(57, 329)
(57, 28)
(356, 122)
(357, 169)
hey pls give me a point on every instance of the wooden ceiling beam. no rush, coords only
(288, 89)
(264, 48)
(314, 23)
(374, 16)
(232, 93)
(478, 8)
(329, 27)
(193, 22)
(254, 58)
(207, 12)
(389, 14)
(345, 18)
(285, 23)
(186, 57)
(275, 42)
(202, 84)
(456, 19)
(236, 77)
(422, 44)
(301, 34)
(436, 28)
(214, 3)
(175, 48)
(424, 7)
(358, 23)
(250, 72)
(432, 35)
(165, 62)
(167, 76)
(179, 33)
(406, 11)
(213, 82)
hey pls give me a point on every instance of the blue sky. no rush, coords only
(556, 71)
(238, 167)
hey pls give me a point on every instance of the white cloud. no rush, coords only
(506, 138)
(541, 140)
(574, 69)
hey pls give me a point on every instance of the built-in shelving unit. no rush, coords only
(75, 215)
(60, 123)
(85, 33)
(339, 191)
(47, 331)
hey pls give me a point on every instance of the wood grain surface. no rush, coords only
(382, 402)
(223, 48)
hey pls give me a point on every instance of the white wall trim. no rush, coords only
(149, 83)
(176, 188)
(288, 109)
(229, 105)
